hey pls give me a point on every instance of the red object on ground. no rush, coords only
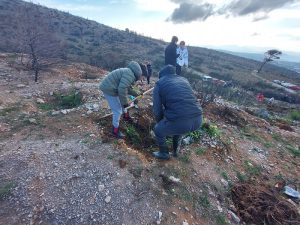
(260, 97)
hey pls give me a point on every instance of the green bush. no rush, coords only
(72, 100)
(295, 115)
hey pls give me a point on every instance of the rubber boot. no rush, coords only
(127, 117)
(117, 133)
(163, 153)
(177, 139)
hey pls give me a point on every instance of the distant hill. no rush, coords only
(287, 60)
(87, 41)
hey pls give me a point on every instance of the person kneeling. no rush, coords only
(176, 110)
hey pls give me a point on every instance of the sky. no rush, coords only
(236, 25)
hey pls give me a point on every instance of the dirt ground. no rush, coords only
(62, 166)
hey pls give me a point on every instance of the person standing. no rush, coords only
(176, 109)
(171, 52)
(115, 87)
(183, 58)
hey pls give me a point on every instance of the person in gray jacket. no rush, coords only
(115, 87)
(176, 109)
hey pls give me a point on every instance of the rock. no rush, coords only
(32, 120)
(107, 199)
(224, 182)
(89, 112)
(96, 107)
(101, 187)
(21, 85)
(234, 218)
(51, 93)
(55, 113)
(159, 217)
(64, 111)
(40, 101)
(185, 222)
(174, 179)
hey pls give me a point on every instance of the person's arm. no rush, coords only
(186, 58)
(124, 86)
(132, 92)
(157, 104)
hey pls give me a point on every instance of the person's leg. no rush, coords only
(116, 107)
(178, 69)
(175, 128)
(176, 144)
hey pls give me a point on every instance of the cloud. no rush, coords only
(188, 12)
(200, 10)
(245, 7)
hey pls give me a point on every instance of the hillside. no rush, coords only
(86, 41)
(60, 165)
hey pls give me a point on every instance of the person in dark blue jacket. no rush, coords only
(171, 52)
(176, 109)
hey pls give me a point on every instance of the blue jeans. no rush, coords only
(166, 128)
(116, 107)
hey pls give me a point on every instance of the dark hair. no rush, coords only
(144, 69)
(174, 39)
(182, 43)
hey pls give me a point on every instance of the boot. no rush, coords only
(176, 144)
(163, 153)
(127, 117)
(117, 133)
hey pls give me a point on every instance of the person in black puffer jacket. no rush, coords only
(176, 109)
(171, 52)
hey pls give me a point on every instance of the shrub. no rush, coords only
(295, 115)
(71, 100)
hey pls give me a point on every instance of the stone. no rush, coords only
(32, 120)
(108, 199)
(185, 222)
(40, 101)
(55, 113)
(21, 85)
(64, 111)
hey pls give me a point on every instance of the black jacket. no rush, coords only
(171, 54)
(173, 97)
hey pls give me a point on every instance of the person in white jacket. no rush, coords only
(182, 59)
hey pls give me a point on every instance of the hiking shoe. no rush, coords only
(117, 133)
(163, 153)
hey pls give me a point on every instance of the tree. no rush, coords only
(36, 37)
(270, 55)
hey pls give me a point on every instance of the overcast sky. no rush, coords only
(238, 25)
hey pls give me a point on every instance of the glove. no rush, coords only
(125, 106)
(136, 101)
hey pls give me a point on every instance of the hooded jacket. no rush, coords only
(173, 97)
(119, 81)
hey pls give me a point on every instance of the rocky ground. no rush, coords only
(59, 165)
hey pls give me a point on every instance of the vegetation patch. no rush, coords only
(6, 189)
(252, 169)
(294, 151)
(295, 115)
(211, 130)
(70, 100)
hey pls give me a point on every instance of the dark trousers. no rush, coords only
(178, 69)
(166, 128)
